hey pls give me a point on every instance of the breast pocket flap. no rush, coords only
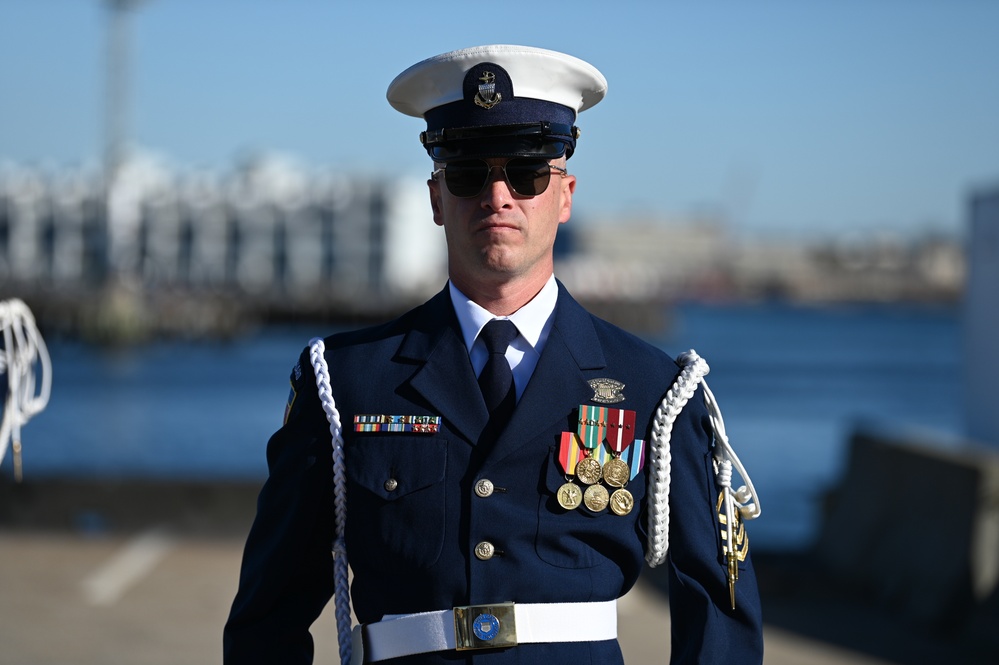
(392, 467)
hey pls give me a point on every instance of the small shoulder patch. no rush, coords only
(296, 385)
(292, 394)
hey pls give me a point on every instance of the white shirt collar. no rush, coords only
(533, 320)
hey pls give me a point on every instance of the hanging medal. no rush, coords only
(596, 497)
(617, 472)
(591, 430)
(570, 452)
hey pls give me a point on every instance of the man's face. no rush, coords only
(499, 235)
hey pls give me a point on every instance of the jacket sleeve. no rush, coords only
(705, 629)
(286, 576)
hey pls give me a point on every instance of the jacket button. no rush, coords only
(484, 488)
(391, 484)
(484, 551)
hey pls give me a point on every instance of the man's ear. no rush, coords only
(435, 201)
(568, 184)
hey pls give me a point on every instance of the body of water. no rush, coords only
(793, 382)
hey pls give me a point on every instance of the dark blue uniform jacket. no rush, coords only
(411, 548)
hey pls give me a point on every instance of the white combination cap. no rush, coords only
(498, 100)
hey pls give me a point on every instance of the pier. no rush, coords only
(158, 255)
(163, 252)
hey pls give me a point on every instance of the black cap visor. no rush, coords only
(539, 139)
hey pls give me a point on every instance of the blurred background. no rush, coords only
(805, 193)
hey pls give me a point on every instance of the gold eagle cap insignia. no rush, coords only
(487, 97)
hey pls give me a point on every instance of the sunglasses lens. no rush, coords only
(466, 178)
(526, 176)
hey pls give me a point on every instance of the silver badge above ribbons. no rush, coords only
(606, 391)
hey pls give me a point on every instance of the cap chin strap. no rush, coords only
(745, 499)
(317, 350)
(535, 139)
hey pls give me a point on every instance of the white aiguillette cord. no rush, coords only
(317, 350)
(23, 347)
(694, 368)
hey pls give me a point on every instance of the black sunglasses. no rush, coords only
(527, 176)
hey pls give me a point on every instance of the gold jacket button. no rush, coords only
(484, 488)
(391, 484)
(484, 551)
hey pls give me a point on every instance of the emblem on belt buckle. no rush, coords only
(485, 627)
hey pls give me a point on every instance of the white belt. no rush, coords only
(485, 627)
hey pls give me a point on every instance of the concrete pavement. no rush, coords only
(144, 575)
(160, 598)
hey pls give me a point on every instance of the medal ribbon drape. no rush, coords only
(592, 425)
(496, 379)
(570, 452)
(620, 429)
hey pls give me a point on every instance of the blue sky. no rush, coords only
(805, 117)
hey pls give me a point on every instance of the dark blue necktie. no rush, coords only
(496, 379)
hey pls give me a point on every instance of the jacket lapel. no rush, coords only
(445, 380)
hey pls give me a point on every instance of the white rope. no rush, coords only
(694, 369)
(725, 459)
(660, 458)
(317, 350)
(23, 349)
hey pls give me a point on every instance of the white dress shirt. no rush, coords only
(533, 321)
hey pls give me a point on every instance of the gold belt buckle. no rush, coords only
(484, 626)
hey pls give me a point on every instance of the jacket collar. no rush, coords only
(446, 380)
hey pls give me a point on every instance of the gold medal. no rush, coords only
(588, 470)
(616, 473)
(595, 498)
(570, 496)
(621, 502)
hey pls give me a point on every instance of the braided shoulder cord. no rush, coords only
(317, 349)
(745, 498)
(694, 369)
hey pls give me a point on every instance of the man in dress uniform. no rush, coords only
(496, 440)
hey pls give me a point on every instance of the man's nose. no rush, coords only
(497, 192)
